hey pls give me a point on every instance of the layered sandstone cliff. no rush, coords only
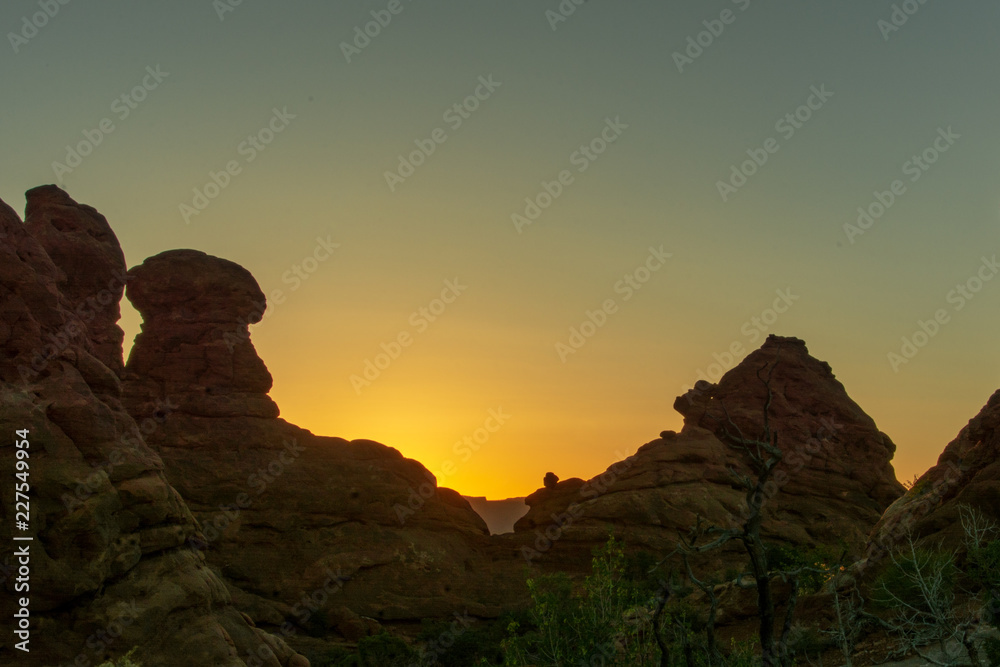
(833, 484)
(289, 515)
(172, 504)
(109, 567)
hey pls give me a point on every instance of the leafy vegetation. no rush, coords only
(124, 661)
(815, 566)
(607, 622)
(610, 618)
(930, 600)
(917, 578)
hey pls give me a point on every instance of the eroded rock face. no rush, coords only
(838, 464)
(82, 245)
(195, 343)
(109, 565)
(143, 474)
(832, 486)
(289, 516)
(967, 474)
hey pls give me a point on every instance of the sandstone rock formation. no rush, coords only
(109, 568)
(832, 486)
(81, 244)
(837, 462)
(318, 535)
(172, 509)
(967, 473)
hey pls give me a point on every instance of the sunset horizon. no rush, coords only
(405, 333)
(545, 201)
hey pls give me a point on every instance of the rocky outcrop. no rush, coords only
(967, 474)
(316, 534)
(109, 568)
(91, 265)
(830, 489)
(173, 510)
(837, 478)
(195, 344)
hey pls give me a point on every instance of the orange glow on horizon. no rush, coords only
(427, 408)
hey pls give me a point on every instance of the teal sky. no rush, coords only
(656, 185)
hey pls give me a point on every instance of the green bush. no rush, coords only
(607, 622)
(984, 569)
(822, 562)
(744, 654)
(899, 585)
(124, 661)
(919, 486)
(638, 570)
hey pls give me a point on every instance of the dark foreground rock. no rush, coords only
(829, 491)
(109, 563)
(173, 510)
(316, 535)
(967, 474)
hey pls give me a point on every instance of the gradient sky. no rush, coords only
(494, 347)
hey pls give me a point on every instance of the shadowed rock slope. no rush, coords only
(289, 516)
(109, 568)
(967, 473)
(830, 489)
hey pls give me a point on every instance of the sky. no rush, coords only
(503, 237)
